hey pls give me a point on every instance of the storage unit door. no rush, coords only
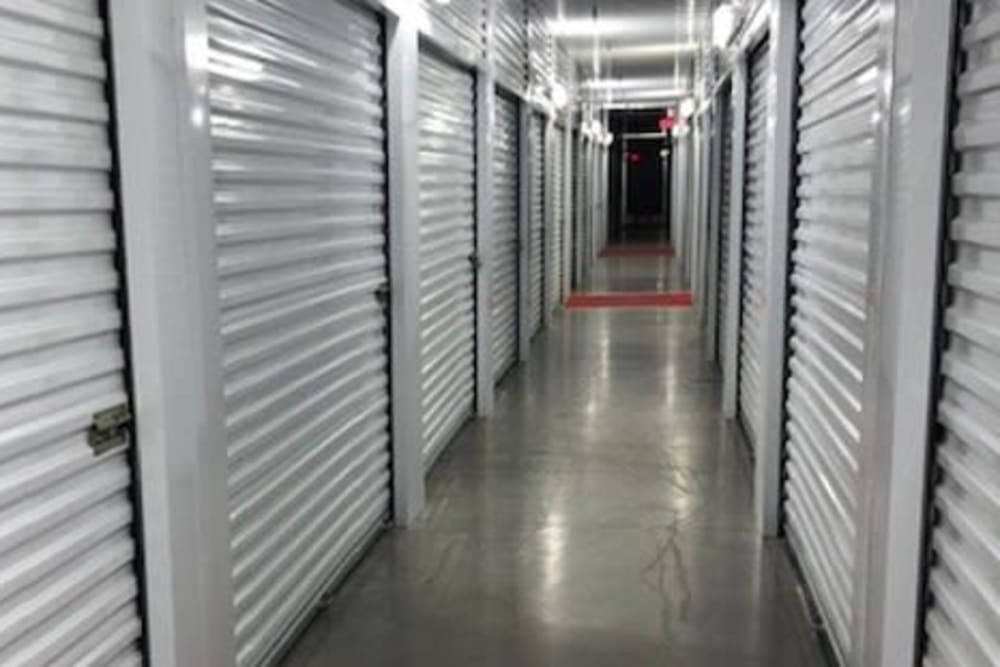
(506, 246)
(576, 243)
(536, 244)
(447, 164)
(68, 585)
(835, 172)
(510, 39)
(725, 171)
(457, 23)
(554, 256)
(963, 618)
(299, 178)
(752, 280)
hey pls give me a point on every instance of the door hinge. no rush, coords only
(477, 263)
(382, 295)
(109, 429)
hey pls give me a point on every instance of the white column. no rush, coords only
(160, 55)
(524, 231)
(485, 101)
(404, 266)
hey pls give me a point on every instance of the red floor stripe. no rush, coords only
(637, 251)
(629, 300)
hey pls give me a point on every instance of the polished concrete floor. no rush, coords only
(601, 518)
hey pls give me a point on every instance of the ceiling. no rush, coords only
(642, 43)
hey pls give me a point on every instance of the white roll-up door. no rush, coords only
(835, 151)
(506, 241)
(554, 256)
(725, 171)
(536, 244)
(576, 242)
(752, 264)
(299, 166)
(68, 585)
(510, 41)
(963, 619)
(456, 23)
(447, 164)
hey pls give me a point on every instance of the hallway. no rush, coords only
(603, 517)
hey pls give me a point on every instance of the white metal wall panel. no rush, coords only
(447, 164)
(299, 166)
(837, 103)
(554, 256)
(753, 252)
(726, 129)
(68, 586)
(458, 23)
(963, 621)
(536, 244)
(510, 40)
(506, 241)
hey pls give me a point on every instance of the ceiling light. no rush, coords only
(687, 107)
(560, 98)
(723, 25)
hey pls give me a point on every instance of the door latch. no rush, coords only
(382, 295)
(109, 429)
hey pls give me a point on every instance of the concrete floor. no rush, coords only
(601, 518)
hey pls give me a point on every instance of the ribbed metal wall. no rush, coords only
(541, 46)
(536, 243)
(963, 620)
(837, 101)
(447, 164)
(725, 171)
(554, 256)
(67, 582)
(506, 239)
(299, 177)
(753, 252)
(457, 22)
(510, 39)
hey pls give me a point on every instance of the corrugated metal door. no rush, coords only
(447, 165)
(752, 280)
(837, 102)
(964, 575)
(299, 167)
(726, 169)
(68, 586)
(506, 183)
(554, 256)
(511, 45)
(456, 22)
(576, 242)
(536, 244)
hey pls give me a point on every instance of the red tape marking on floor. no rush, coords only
(637, 251)
(630, 300)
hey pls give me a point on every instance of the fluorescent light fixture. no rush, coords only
(634, 83)
(640, 51)
(723, 25)
(605, 26)
(560, 98)
(687, 107)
